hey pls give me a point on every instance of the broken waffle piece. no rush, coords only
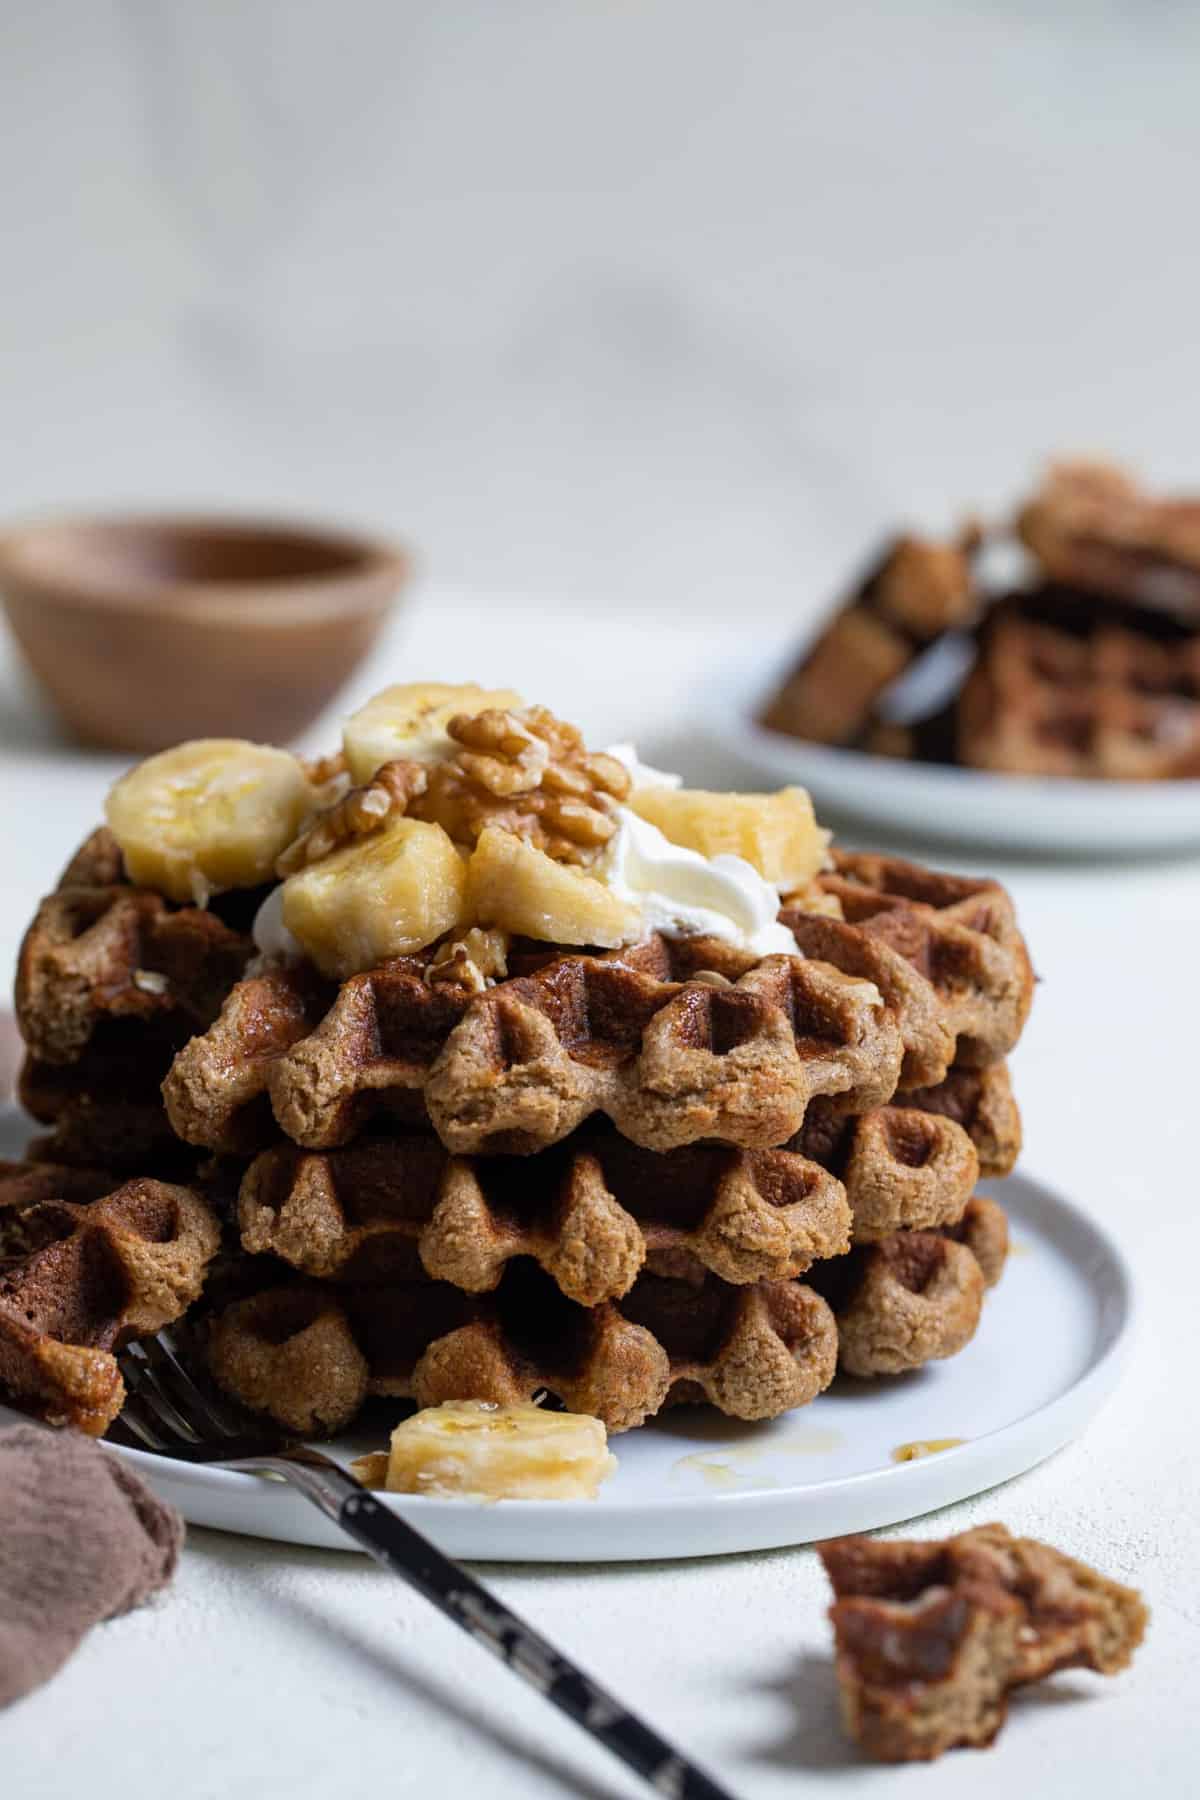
(1092, 526)
(483, 1451)
(915, 592)
(100, 1273)
(1068, 689)
(931, 1638)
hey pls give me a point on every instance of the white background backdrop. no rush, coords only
(650, 301)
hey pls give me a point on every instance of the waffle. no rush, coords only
(925, 1032)
(916, 591)
(1091, 527)
(914, 1297)
(98, 1274)
(107, 953)
(1101, 699)
(902, 1169)
(308, 1354)
(961, 935)
(105, 1109)
(589, 1212)
(24, 1186)
(668, 1058)
(981, 1101)
(931, 1637)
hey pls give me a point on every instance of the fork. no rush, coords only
(174, 1413)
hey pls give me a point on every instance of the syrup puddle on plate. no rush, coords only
(924, 1447)
(714, 1474)
(728, 1467)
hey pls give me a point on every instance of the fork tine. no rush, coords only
(145, 1384)
(173, 1379)
(227, 1416)
(135, 1427)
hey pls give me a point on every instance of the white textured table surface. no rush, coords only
(270, 1672)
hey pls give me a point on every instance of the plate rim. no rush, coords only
(1059, 1417)
(726, 712)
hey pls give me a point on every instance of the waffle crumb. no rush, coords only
(932, 1637)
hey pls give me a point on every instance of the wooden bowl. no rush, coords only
(144, 631)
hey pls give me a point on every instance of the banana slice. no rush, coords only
(208, 815)
(522, 890)
(776, 833)
(410, 720)
(518, 1452)
(387, 894)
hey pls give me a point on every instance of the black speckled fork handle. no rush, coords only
(392, 1542)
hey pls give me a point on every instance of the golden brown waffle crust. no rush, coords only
(926, 970)
(916, 1296)
(903, 1169)
(917, 590)
(94, 954)
(960, 934)
(298, 1352)
(932, 1636)
(669, 1062)
(589, 1215)
(981, 1101)
(99, 1273)
(1110, 703)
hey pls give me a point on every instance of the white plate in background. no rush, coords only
(1045, 814)
(694, 1483)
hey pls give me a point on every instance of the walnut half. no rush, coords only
(529, 773)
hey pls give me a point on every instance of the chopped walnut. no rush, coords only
(472, 962)
(530, 774)
(319, 771)
(389, 793)
(329, 777)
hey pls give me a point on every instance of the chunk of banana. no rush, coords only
(387, 894)
(494, 1452)
(523, 891)
(410, 721)
(777, 833)
(208, 815)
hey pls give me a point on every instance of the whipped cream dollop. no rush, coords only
(676, 891)
(641, 774)
(271, 936)
(683, 894)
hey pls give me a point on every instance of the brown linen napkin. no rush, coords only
(81, 1539)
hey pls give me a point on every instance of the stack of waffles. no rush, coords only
(1090, 668)
(503, 1166)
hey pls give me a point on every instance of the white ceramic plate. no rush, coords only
(697, 1484)
(1018, 812)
